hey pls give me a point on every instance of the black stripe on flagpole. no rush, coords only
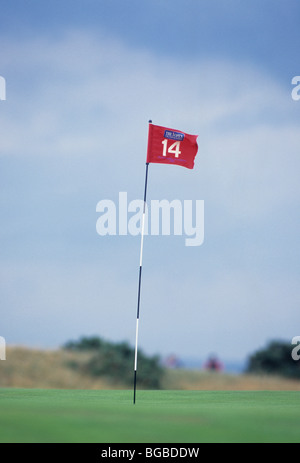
(134, 393)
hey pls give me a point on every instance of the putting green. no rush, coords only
(35, 415)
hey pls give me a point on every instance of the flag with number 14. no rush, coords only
(169, 146)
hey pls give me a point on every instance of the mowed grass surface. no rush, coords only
(35, 415)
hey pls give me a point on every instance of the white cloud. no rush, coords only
(88, 95)
(81, 82)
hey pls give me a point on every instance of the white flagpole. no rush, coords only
(140, 281)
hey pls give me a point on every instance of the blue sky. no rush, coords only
(83, 79)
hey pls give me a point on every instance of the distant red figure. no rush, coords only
(213, 364)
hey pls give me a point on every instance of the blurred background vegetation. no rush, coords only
(274, 359)
(95, 363)
(115, 361)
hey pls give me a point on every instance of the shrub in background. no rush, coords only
(275, 359)
(116, 361)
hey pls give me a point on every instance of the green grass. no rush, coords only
(35, 415)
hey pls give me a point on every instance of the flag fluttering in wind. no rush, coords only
(165, 146)
(169, 146)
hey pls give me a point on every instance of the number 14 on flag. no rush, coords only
(173, 149)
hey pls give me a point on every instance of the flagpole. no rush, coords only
(140, 282)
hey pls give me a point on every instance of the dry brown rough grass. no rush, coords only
(202, 380)
(33, 368)
(47, 369)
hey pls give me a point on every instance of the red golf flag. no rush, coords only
(169, 146)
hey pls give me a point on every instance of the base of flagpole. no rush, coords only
(134, 393)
